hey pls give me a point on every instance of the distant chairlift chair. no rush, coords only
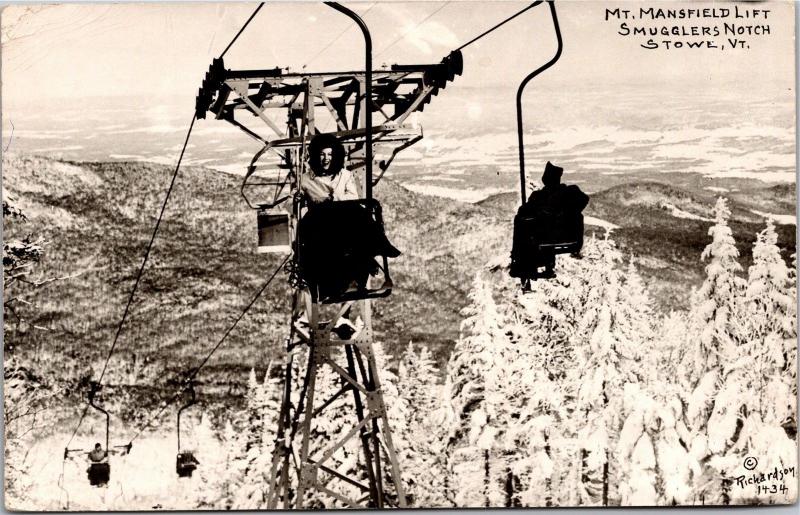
(185, 461)
(99, 470)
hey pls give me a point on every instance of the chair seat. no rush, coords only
(560, 235)
(185, 464)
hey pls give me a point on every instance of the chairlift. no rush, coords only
(99, 470)
(185, 461)
(274, 234)
(554, 229)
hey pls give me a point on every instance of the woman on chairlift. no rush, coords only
(340, 235)
(330, 180)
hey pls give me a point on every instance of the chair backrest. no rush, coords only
(273, 232)
(185, 464)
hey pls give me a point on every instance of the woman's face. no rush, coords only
(325, 158)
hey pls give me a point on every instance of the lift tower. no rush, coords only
(302, 473)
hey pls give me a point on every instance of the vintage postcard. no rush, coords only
(395, 254)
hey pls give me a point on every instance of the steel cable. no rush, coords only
(476, 38)
(241, 30)
(412, 29)
(334, 40)
(196, 370)
(153, 237)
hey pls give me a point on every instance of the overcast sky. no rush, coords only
(84, 50)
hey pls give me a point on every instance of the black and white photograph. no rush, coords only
(301, 255)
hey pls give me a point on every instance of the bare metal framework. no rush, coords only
(371, 112)
(313, 102)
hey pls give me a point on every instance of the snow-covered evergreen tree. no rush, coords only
(771, 334)
(234, 463)
(477, 373)
(272, 389)
(422, 461)
(542, 326)
(768, 295)
(717, 303)
(758, 378)
(210, 471)
(613, 335)
(262, 410)
(20, 406)
(713, 368)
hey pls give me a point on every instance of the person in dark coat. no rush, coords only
(551, 215)
(339, 234)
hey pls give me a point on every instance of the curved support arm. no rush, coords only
(384, 165)
(522, 85)
(367, 90)
(93, 389)
(192, 401)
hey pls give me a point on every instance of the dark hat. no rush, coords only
(552, 174)
(319, 142)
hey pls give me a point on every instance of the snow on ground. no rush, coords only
(459, 194)
(139, 481)
(473, 196)
(239, 169)
(779, 219)
(590, 220)
(127, 157)
(680, 213)
(717, 189)
(759, 176)
(439, 178)
(66, 148)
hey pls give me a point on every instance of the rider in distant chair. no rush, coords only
(98, 455)
(551, 216)
(332, 225)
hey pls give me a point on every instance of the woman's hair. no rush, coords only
(319, 142)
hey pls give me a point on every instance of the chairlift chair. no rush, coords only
(542, 237)
(274, 235)
(185, 464)
(99, 472)
(185, 461)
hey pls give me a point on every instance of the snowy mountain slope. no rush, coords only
(532, 379)
(98, 218)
